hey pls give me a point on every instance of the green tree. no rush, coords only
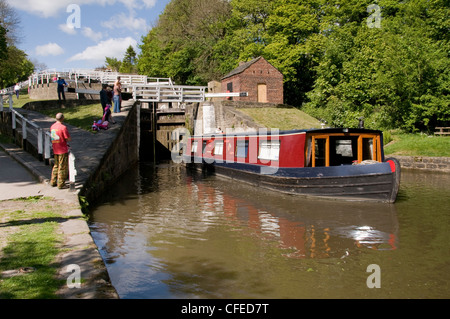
(128, 64)
(395, 76)
(15, 68)
(14, 64)
(283, 31)
(337, 66)
(10, 21)
(3, 43)
(245, 34)
(181, 45)
(113, 64)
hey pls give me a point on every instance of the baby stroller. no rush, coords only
(103, 124)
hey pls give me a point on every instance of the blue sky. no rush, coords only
(50, 34)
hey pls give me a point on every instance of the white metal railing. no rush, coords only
(2, 99)
(129, 81)
(11, 88)
(166, 94)
(42, 137)
(47, 76)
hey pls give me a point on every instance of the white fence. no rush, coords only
(36, 135)
(76, 75)
(167, 94)
(11, 89)
(29, 129)
(6, 95)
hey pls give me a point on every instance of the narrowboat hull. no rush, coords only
(375, 182)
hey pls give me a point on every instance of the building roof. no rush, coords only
(241, 68)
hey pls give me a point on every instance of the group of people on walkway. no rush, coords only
(61, 136)
(106, 96)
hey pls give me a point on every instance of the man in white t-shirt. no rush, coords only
(17, 89)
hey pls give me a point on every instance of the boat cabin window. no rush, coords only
(269, 150)
(337, 150)
(320, 152)
(218, 148)
(194, 147)
(241, 149)
(367, 149)
(343, 150)
(208, 147)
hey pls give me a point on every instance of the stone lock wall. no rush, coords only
(121, 155)
(225, 116)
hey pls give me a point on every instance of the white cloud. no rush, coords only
(67, 29)
(149, 3)
(129, 22)
(109, 48)
(51, 8)
(91, 34)
(49, 49)
(138, 4)
(86, 31)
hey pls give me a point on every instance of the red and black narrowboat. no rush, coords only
(332, 163)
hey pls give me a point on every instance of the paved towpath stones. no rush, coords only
(16, 181)
(22, 175)
(78, 247)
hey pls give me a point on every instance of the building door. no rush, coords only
(229, 90)
(262, 93)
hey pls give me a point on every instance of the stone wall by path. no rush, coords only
(441, 164)
(48, 91)
(55, 104)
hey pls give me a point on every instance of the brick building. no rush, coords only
(262, 81)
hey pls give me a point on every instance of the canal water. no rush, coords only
(168, 233)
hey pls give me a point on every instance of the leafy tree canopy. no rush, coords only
(384, 60)
(14, 63)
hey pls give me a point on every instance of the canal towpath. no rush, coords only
(22, 176)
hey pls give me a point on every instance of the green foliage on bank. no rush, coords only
(419, 144)
(14, 63)
(337, 66)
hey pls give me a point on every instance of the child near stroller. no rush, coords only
(103, 124)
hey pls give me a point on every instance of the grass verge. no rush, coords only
(282, 118)
(30, 239)
(80, 116)
(418, 145)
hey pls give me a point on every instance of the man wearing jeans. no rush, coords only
(117, 95)
(61, 84)
(60, 137)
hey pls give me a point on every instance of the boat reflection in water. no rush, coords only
(305, 228)
(168, 232)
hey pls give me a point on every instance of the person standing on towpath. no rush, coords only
(61, 84)
(60, 137)
(117, 95)
(17, 90)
